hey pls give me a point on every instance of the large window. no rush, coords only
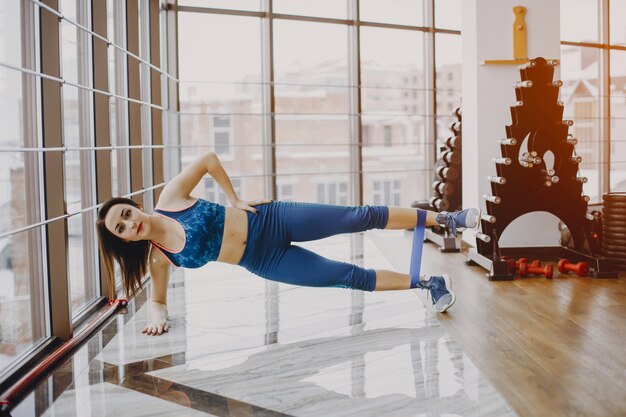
(618, 96)
(395, 113)
(593, 91)
(618, 118)
(78, 133)
(448, 81)
(337, 9)
(582, 100)
(69, 99)
(399, 12)
(312, 105)
(23, 320)
(282, 110)
(579, 20)
(448, 14)
(221, 94)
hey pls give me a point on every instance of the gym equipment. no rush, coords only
(451, 157)
(447, 173)
(526, 269)
(454, 142)
(439, 204)
(581, 268)
(443, 188)
(447, 186)
(514, 265)
(542, 176)
(614, 228)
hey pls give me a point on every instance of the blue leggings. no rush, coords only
(270, 254)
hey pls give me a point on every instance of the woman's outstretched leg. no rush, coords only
(390, 280)
(298, 266)
(406, 218)
(309, 221)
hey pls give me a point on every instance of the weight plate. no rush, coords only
(613, 237)
(612, 217)
(615, 222)
(619, 197)
(611, 254)
(621, 230)
(619, 212)
(614, 204)
(606, 246)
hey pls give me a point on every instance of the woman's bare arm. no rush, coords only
(157, 305)
(181, 186)
(159, 275)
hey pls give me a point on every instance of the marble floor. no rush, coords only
(239, 345)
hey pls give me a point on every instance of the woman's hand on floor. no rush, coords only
(157, 323)
(249, 205)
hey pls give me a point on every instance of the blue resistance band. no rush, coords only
(418, 244)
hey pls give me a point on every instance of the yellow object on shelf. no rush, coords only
(519, 41)
(519, 33)
(505, 61)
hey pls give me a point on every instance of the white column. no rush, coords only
(487, 33)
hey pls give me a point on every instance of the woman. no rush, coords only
(189, 232)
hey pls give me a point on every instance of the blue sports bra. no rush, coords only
(203, 223)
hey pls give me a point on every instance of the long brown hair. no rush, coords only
(131, 256)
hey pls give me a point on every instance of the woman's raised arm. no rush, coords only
(182, 184)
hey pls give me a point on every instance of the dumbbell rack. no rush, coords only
(537, 171)
(447, 186)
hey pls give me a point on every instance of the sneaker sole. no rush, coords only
(445, 307)
(478, 217)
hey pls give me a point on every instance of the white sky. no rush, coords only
(228, 48)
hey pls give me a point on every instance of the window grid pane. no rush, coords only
(581, 99)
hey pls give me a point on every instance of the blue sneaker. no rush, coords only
(438, 288)
(457, 221)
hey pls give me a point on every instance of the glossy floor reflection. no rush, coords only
(240, 345)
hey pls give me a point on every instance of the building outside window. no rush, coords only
(222, 136)
(285, 192)
(387, 192)
(387, 135)
(214, 193)
(366, 132)
(332, 193)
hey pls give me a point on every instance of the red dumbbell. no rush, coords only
(513, 265)
(581, 268)
(526, 269)
(535, 262)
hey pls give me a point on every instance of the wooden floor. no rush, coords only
(551, 347)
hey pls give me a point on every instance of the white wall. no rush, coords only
(487, 28)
